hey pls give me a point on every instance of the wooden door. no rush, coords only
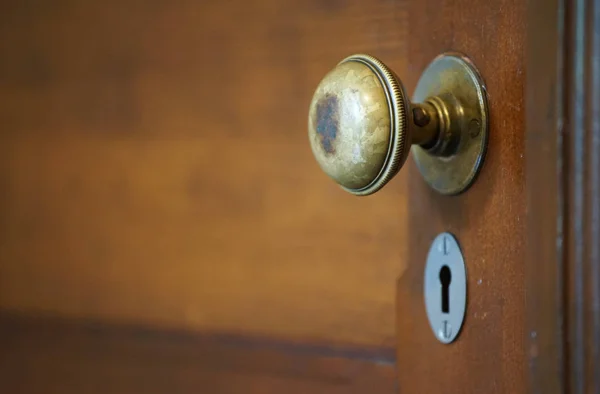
(488, 220)
(164, 227)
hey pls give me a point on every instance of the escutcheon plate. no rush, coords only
(455, 84)
(445, 282)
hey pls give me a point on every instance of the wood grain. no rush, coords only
(488, 220)
(155, 168)
(44, 355)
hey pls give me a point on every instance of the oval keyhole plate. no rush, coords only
(445, 288)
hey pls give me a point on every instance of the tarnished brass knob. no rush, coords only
(361, 125)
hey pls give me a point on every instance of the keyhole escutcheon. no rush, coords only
(445, 287)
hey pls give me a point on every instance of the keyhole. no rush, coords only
(445, 279)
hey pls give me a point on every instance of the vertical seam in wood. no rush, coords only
(594, 202)
(582, 185)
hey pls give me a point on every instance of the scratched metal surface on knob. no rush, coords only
(361, 124)
(357, 125)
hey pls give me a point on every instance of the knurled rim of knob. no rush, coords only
(397, 104)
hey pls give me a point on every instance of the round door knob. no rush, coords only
(361, 124)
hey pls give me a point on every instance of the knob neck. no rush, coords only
(436, 125)
(425, 125)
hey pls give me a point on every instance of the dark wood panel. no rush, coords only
(563, 145)
(488, 220)
(581, 181)
(44, 355)
(154, 167)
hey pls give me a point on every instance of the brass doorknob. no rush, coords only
(361, 124)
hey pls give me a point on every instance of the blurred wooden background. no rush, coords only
(155, 172)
